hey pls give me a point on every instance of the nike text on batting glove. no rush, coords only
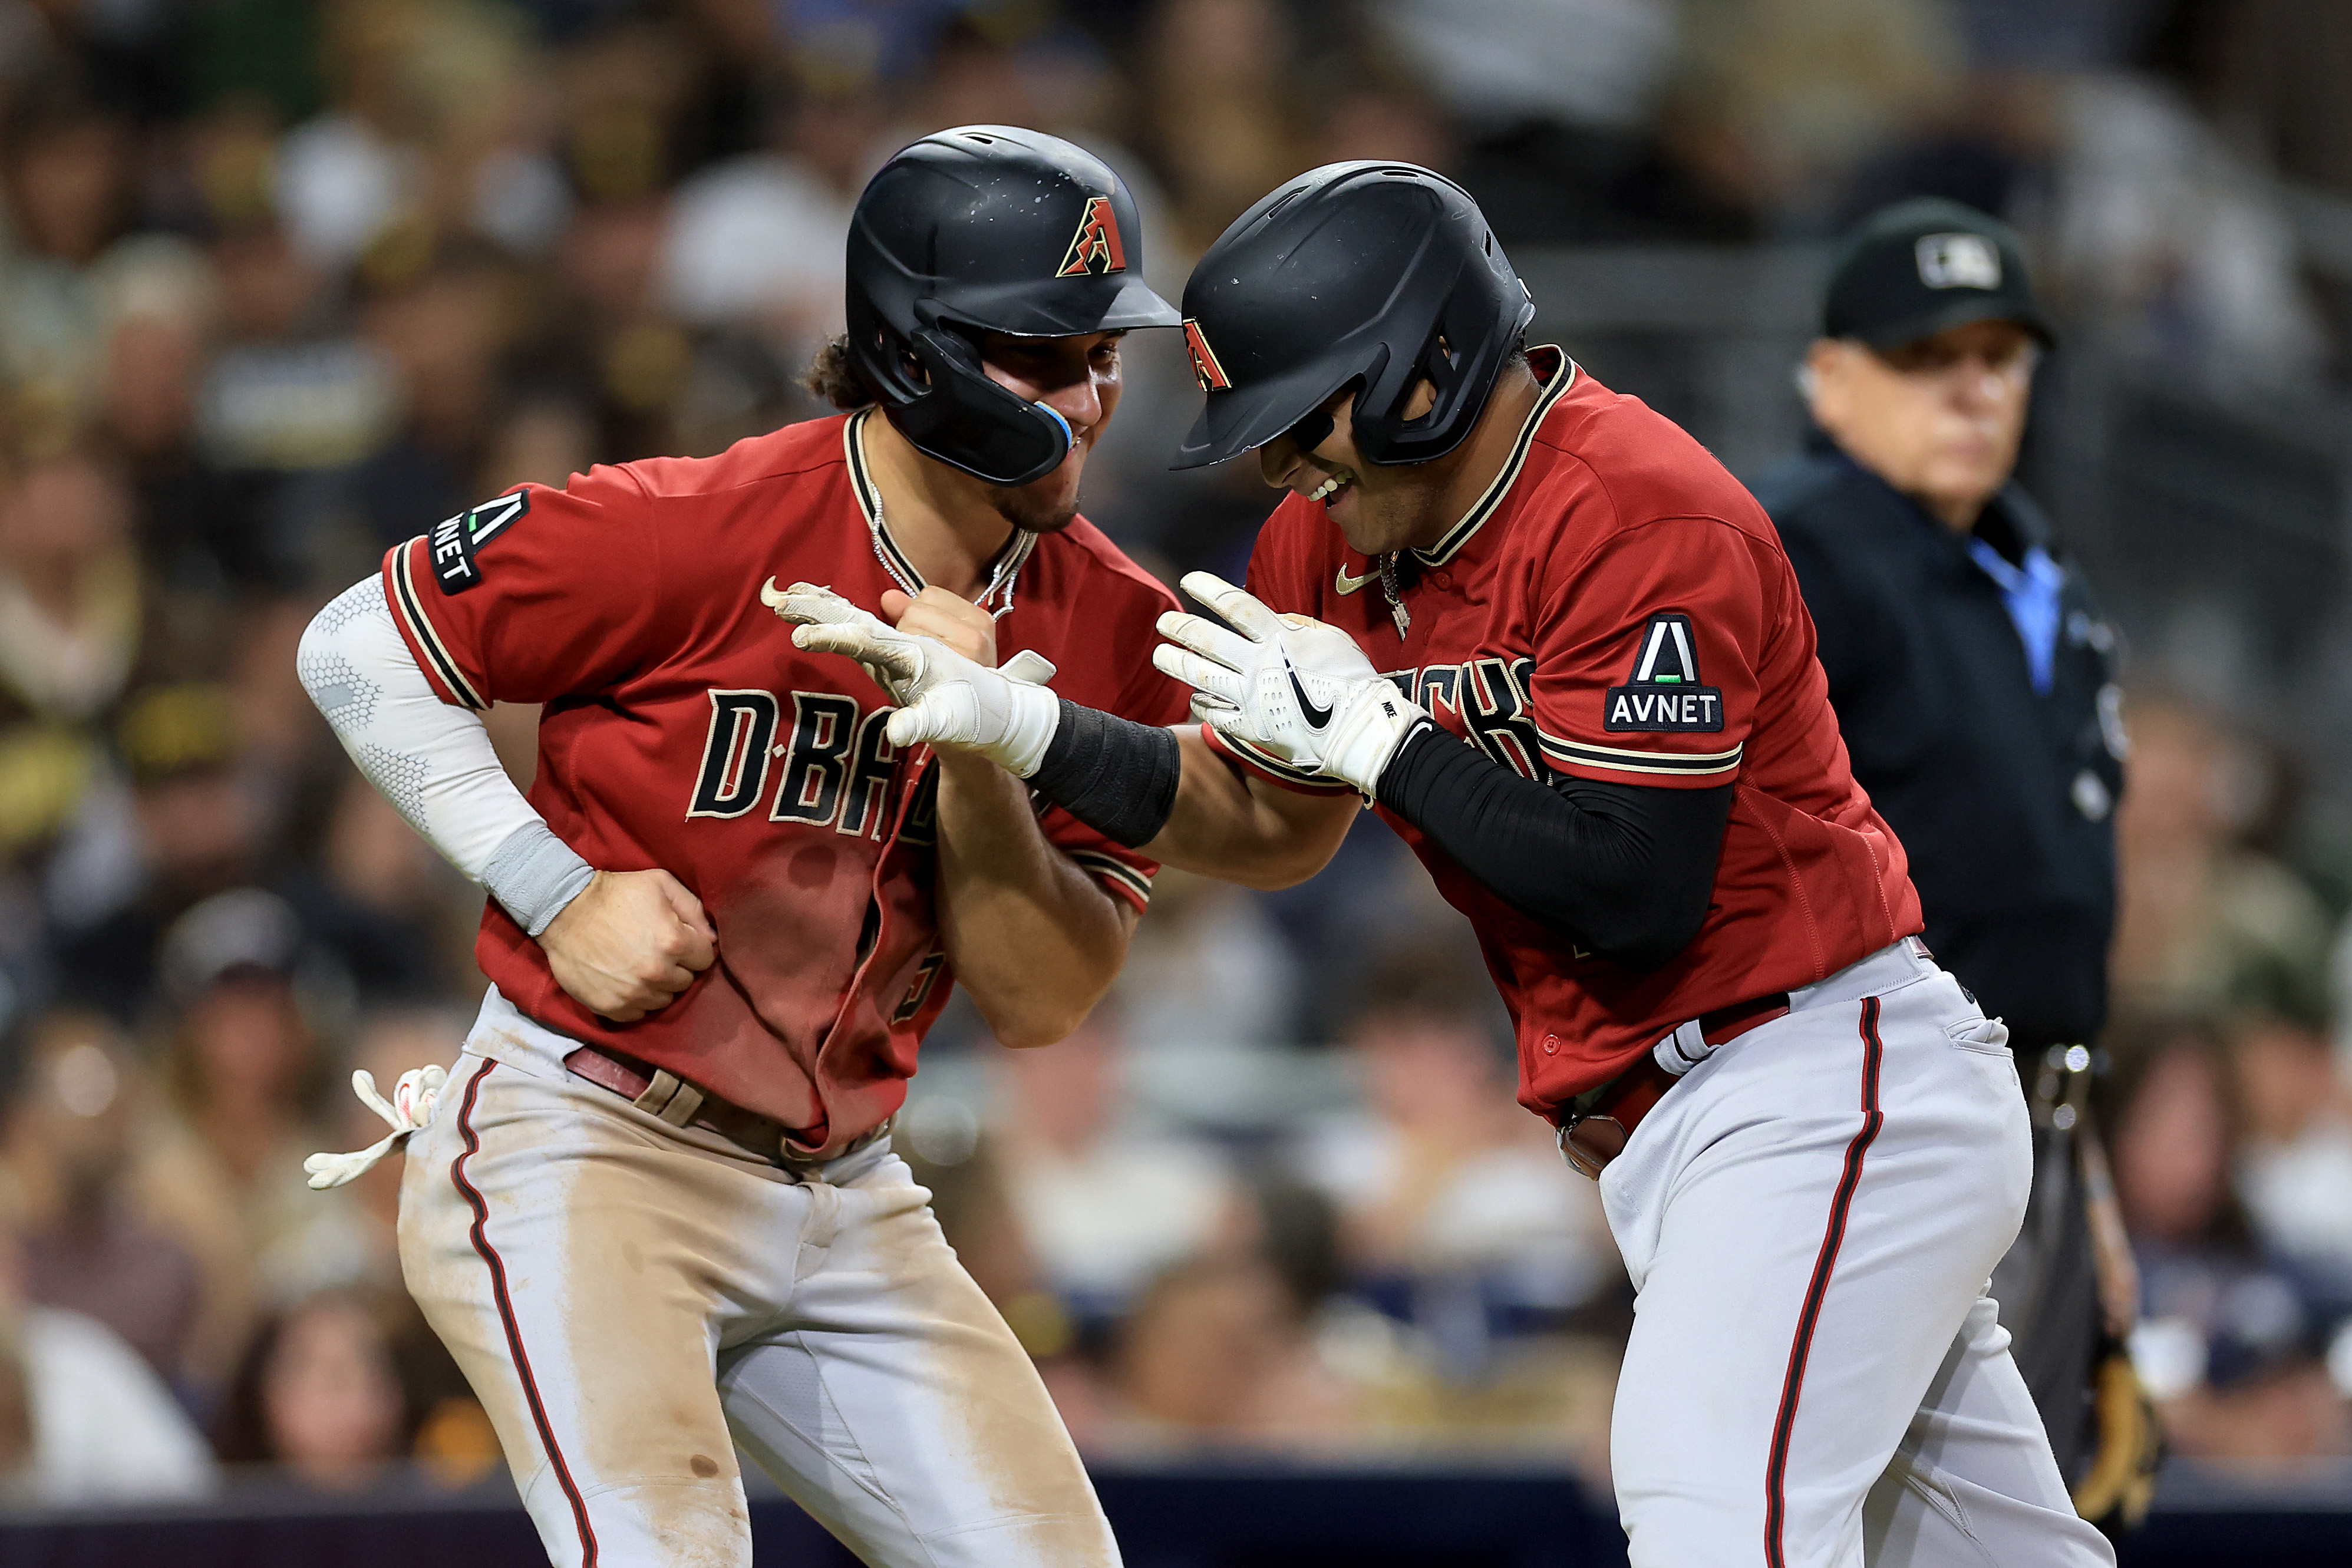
(1007, 715)
(1288, 685)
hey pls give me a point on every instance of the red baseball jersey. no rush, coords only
(684, 730)
(1616, 607)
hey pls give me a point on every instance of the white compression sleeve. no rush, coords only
(432, 761)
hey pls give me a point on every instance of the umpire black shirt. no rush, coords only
(2004, 797)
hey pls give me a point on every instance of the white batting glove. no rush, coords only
(1007, 715)
(1288, 685)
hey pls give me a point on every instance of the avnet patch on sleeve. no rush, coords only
(1664, 693)
(455, 542)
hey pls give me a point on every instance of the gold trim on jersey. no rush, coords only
(1111, 869)
(420, 627)
(1288, 772)
(1447, 548)
(1001, 571)
(1688, 763)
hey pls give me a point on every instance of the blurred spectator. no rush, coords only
(393, 917)
(1776, 101)
(1217, 1350)
(2167, 242)
(2295, 1169)
(197, 823)
(2206, 923)
(1209, 967)
(67, 169)
(244, 1077)
(758, 238)
(2227, 1345)
(319, 1392)
(1458, 1210)
(91, 1243)
(1217, 73)
(84, 1422)
(1107, 1200)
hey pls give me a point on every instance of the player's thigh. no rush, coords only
(569, 1265)
(1811, 1263)
(1973, 1481)
(898, 1408)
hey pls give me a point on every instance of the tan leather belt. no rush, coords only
(659, 1092)
(1601, 1120)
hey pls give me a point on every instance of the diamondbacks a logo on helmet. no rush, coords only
(1095, 247)
(1204, 359)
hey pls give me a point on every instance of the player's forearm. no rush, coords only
(1165, 792)
(433, 762)
(1227, 825)
(1033, 937)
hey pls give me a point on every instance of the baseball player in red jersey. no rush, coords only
(1561, 651)
(656, 1218)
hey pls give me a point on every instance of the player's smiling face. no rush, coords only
(1077, 378)
(1378, 508)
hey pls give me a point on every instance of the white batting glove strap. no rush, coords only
(1366, 733)
(1007, 716)
(410, 1110)
(1290, 687)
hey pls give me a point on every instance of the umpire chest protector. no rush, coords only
(987, 228)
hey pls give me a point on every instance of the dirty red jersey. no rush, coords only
(1618, 608)
(682, 730)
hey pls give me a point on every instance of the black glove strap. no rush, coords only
(1114, 775)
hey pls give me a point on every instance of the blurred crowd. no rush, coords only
(284, 282)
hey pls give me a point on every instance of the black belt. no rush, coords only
(1601, 1121)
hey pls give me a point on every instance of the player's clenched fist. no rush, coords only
(1286, 684)
(945, 699)
(630, 941)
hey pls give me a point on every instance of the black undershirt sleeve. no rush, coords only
(1627, 870)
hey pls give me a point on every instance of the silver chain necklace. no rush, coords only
(1395, 595)
(902, 570)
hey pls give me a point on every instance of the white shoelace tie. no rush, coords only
(409, 1110)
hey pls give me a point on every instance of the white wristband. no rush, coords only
(1375, 721)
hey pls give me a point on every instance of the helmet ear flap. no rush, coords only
(968, 420)
(934, 389)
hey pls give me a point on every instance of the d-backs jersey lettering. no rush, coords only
(1616, 607)
(682, 729)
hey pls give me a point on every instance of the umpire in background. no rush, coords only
(1971, 675)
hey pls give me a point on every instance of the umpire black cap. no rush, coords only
(987, 228)
(1924, 267)
(1377, 274)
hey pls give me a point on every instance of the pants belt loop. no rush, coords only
(671, 1098)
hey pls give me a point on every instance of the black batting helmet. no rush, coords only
(1377, 274)
(987, 227)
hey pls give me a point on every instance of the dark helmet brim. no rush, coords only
(1107, 305)
(1247, 418)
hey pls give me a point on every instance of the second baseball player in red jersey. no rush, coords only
(1644, 646)
(653, 1208)
(1560, 650)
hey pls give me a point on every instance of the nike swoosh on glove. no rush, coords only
(1287, 685)
(1007, 715)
